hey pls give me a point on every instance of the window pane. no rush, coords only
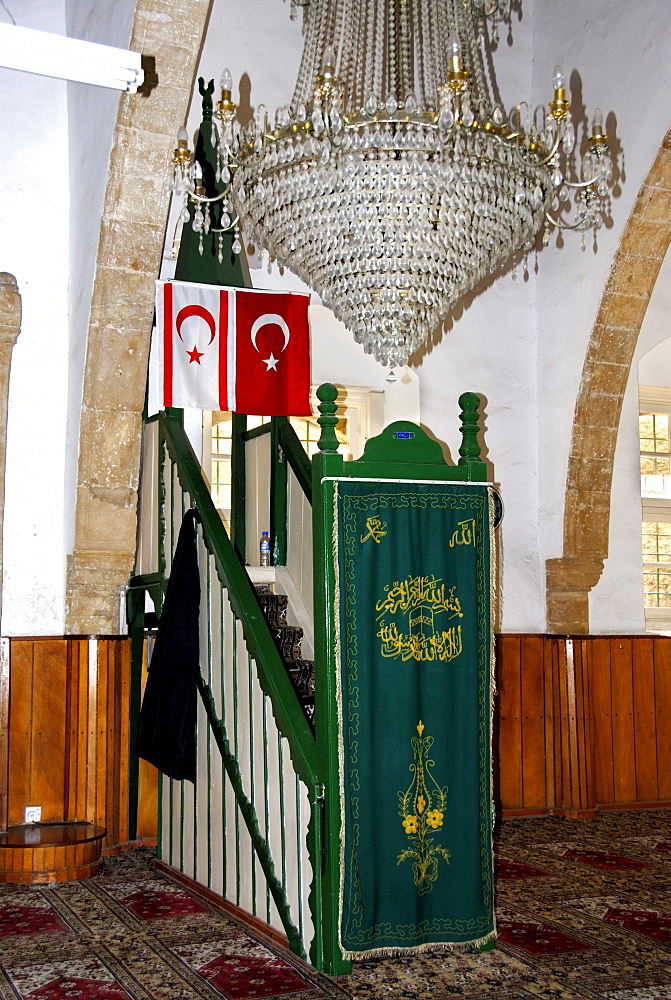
(656, 541)
(655, 465)
(657, 589)
(656, 550)
(308, 432)
(647, 432)
(654, 432)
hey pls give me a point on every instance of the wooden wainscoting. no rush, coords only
(67, 726)
(582, 723)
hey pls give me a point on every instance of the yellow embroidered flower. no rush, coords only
(434, 818)
(410, 824)
(421, 802)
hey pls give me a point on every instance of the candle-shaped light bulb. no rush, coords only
(329, 58)
(455, 47)
(597, 123)
(558, 79)
(182, 137)
(226, 80)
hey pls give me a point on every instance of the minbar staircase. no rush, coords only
(288, 639)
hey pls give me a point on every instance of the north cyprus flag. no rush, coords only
(233, 349)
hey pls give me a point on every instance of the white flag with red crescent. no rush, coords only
(233, 348)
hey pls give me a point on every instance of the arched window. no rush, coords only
(655, 440)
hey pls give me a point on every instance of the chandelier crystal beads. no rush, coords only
(393, 183)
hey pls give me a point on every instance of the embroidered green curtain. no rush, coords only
(415, 661)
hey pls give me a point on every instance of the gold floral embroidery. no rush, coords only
(422, 808)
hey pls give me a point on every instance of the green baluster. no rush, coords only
(470, 449)
(327, 419)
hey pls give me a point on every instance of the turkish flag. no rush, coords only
(233, 349)
(272, 355)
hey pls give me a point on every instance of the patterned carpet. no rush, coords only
(584, 911)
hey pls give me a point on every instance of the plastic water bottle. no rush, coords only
(264, 549)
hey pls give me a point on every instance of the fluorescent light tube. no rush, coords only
(69, 58)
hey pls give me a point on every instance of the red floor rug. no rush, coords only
(584, 911)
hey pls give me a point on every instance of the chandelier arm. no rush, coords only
(567, 226)
(577, 185)
(207, 201)
(233, 224)
(546, 159)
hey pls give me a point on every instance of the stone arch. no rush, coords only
(128, 261)
(605, 373)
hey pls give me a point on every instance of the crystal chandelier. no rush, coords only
(394, 183)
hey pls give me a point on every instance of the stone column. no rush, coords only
(10, 325)
(128, 262)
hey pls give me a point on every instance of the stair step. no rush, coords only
(288, 639)
(274, 606)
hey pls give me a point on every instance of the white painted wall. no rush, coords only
(56, 142)
(34, 231)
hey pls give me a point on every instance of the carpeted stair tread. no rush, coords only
(274, 606)
(288, 640)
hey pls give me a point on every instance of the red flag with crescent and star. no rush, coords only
(233, 349)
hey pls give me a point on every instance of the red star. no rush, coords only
(195, 355)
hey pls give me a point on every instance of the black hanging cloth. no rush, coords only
(167, 728)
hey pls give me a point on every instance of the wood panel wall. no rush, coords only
(68, 732)
(582, 723)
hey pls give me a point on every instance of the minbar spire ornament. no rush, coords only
(394, 183)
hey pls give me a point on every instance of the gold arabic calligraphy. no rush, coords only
(421, 598)
(375, 530)
(465, 533)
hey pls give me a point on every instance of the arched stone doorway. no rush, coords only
(642, 249)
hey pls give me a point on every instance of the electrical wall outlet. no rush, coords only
(32, 814)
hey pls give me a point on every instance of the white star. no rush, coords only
(271, 362)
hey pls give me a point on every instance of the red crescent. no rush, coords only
(201, 311)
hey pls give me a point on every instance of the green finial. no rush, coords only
(327, 419)
(206, 94)
(470, 449)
